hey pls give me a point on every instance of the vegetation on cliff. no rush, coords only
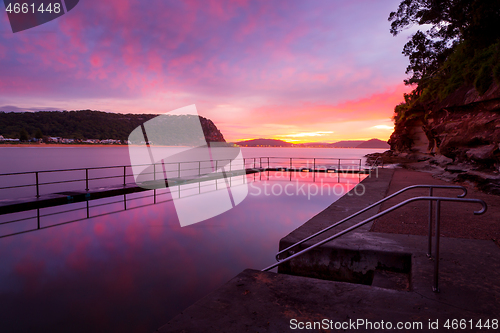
(460, 48)
(86, 124)
(450, 123)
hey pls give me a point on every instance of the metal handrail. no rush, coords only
(37, 184)
(438, 200)
(262, 161)
(431, 187)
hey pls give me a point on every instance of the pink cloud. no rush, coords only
(279, 59)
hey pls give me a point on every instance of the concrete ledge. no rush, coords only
(345, 263)
(256, 301)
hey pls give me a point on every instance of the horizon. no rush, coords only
(308, 142)
(297, 72)
(232, 141)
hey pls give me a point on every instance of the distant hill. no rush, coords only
(374, 143)
(314, 145)
(264, 143)
(89, 124)
(347, 144)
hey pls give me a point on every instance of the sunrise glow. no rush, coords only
(294, 71)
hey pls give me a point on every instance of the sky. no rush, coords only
(299, 71)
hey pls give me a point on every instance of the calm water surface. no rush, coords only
(133, 270)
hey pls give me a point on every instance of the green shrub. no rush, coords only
(484, 79)
(496, 72)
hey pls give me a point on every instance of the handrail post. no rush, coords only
(154, 178)
(199, 168)
(314, 169)
(216, 182)
(435, 287)
(429, 247)
(37, 186)
(338, 172)
(124, 175)
(86, 179)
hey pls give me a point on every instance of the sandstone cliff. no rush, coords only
(457, 139)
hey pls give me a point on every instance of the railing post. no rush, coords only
(429, 246)
(37, 186)
(86, 179)
(179, 170)
(199, 168)
(216, 181)
(314, 170)
(338, 172)
(124, 175)
(154, 178)
(435, 287)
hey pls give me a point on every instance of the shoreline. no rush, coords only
(45, 145)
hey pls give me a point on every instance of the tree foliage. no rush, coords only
(23, 135)
(86, 124)
(449, 23)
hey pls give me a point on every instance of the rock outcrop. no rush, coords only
(457, 139)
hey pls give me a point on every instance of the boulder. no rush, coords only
(481, 153)
(442, 160)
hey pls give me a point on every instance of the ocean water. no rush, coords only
(133, 269)
(25, 159)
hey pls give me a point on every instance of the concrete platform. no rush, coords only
(390, 280)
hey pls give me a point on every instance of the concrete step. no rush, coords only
(391, 280)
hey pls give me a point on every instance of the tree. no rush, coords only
(476, 22)
(23, 135)
(38, 134)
